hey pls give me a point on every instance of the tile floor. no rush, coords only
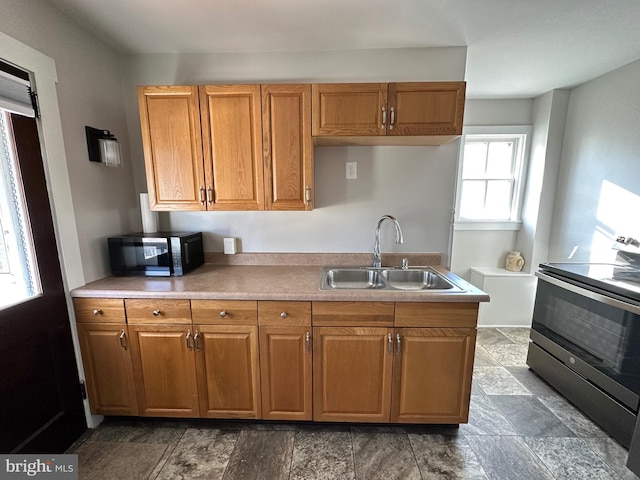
(519, 428)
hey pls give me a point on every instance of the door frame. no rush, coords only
(44, 77)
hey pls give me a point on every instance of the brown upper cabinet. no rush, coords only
(415, 113)
(227, 147)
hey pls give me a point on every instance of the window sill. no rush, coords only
(487, 226)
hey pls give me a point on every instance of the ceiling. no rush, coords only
(516, 48)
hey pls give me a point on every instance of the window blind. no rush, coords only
(15, 91)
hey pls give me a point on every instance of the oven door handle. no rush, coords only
(594, 295)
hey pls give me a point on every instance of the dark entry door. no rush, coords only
(40, 400)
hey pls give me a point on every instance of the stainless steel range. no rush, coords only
(585, 339)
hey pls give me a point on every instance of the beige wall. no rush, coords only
(89, 92)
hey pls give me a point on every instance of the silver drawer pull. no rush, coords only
(399, 341)
(156, 313)
(389, 343)
(223, 313)
(123, 339)
(188, 340)
(283, 315)
(97, 311)
(195, 341)
(307, 341)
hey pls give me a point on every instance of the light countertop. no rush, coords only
(262, 282)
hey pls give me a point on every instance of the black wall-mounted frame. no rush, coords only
(93, 144)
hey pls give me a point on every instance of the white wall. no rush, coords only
(416, 184)
(89, 92)
(488, 248)
(549, 118)
(598, 192)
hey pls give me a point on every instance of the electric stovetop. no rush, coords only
(621, 279)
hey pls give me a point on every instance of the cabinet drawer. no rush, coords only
(436, 314)
(99, 310)
(141, 311)
(284, 313)
(346, 314)
(225, 312)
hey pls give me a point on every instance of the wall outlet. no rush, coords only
(352, 170)
(230, 245)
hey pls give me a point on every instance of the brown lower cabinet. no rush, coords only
(322, 361)
(227, 371)
(164, 368)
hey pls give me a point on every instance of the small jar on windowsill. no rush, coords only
(515, 262)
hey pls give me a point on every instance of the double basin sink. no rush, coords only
(412, 279)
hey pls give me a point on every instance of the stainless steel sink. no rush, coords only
(416, 280)
(352, 278)
(413, 279)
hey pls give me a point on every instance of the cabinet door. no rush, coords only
(107, 365)
(432, 375)
(434, 108)
(171, 138)
(164, 369)
(232, 143)
(352, 374)
(228, 374)
(285, 365)
(288, 151)
(349, 109)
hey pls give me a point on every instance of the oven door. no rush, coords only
(592, 333)
(140, 256)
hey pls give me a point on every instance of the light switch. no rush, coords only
(352, 170)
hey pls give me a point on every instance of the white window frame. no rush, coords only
(521, 167)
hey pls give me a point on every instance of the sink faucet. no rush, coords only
(377, 261)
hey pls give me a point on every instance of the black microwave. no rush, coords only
(159, 254)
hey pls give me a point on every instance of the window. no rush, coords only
(19, 279)
(491, 177)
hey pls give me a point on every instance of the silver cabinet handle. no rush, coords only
(283, 315)
(399, 342)
(156, 313)
(307, 194)
(195, 340)
(223, 313)
(188, 340)
(389, 344)
(384, 118)
(209, 194)
(97, 311)
(393, 118)
(201, 194)
(307, 342)
(123, 339)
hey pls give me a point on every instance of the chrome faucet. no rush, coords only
(377, 260)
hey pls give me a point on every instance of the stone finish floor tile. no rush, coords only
(531, 381)
(516, 334)
(122, 460)
(384, 455)
(509, 458)
(569, 458)
(261, 455)
(444, 456)
(498, 381)
(486, 419)
(161, 432)
(613, 453)
(483, 358)
(530, 417)
(322, 456)
(491, 336)
(577, 421)
(200, 454)
(509, 355)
